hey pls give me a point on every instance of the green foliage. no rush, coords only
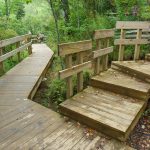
(57, 91)
(8, 33)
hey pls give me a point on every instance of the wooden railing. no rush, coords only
(21, 43)
(78, 50)
(70, 50)
(100, 55)
(138, 40)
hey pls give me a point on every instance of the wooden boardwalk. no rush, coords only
(25, 124)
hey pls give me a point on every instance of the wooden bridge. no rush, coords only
(112, 104)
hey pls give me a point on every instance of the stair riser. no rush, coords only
(131, 72)
(93, 123)
(119, 89)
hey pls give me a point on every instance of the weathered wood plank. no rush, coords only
(132, 25)
(80, 74)
(137, 46)
(14, 52)
(74, 47)
(68, 61)
(131, 41)
(101, 52)
(10, 41)
(104, 33)
(74, 70)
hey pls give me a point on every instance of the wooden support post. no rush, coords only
(30, 47)
(19, 56)
(68, 60)
(137, 46)
(80, 74)
(121, 47)
(97, 60)
(105, 57)
(1, 63)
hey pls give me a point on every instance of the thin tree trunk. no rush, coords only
(6, 9)
(56, 21)
(66, 10)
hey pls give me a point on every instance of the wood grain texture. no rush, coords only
(104, 33)
(132, 25)
(74, 47)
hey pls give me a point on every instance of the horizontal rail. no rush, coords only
(100, 34)
(7, 42)
(133, 25)
(74, 47)
(74, 70)
(131, 41)
(102, 52)
(14, 52)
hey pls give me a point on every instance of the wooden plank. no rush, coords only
(105, 57)
(131, 41)
(74, 70)
(12, 53)
(80, 74)
(10, 41)
(68, 61)
(121, 47)
(74, 47)
(137, 46)
(102, 52)
(97, 60)
(132, 25)
(96, 121)
(120, 83)
(106, 33)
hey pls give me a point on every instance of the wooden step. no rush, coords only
(147, 57)
(110, 113)
(121, 83)
(139, 69)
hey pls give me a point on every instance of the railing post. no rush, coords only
(137, 47)
(30, 47)
(121, 47)
(97, 60)
(1, 63)
(17, 46)
(105, 58)
(68, 60)
(80, 74)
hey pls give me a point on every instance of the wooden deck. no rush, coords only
(25, 124)
(115, 101)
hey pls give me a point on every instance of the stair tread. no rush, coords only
(123, 80)
(113, 110)
(140, 66)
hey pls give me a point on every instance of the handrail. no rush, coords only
(13, 40)
(21, 43)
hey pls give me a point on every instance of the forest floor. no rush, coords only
(139, 138)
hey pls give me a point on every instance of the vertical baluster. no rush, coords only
(121, 47)
(97, 61)
(17, 46)
(137, 46)
(68, 60)
(80, 74)
(30, 47)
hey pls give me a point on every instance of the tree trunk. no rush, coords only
(65, 5)
(6, 9)
(56, 21)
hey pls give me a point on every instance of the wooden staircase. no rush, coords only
(112, 104)
(116, 97)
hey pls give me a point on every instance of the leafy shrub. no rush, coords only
(8, 33)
